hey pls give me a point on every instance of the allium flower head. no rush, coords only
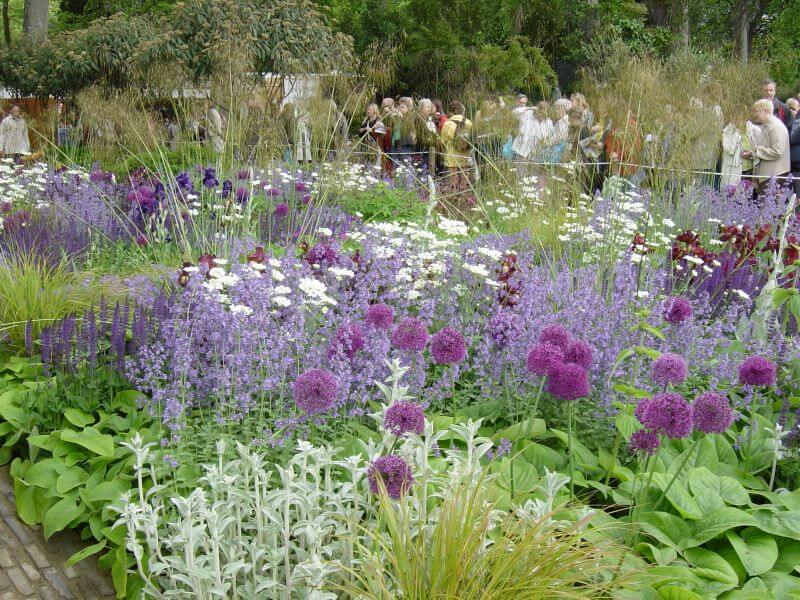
(669, 369)
(394, 472)
(568, 381)
(281, 210)
(580, 353)
(667, 413)
(543, 357)
(410, 334)
(645, 441)
(404, 417)
(315, 391)
(242, 195)
(379, 316)
(502, 328)
(448, 347)
(712, 412)
(348, 340)
(757, 370)
(322, 254)
(677, 309)
(557, 336)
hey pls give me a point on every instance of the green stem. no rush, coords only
(538, 395)
(750, 431)
(678, 472)
(569, 451)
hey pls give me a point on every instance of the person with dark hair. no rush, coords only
(439, 114)
(794, 143)
(14, 140)
(779, 109)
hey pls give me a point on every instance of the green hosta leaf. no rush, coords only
(716, 523)
(786, 523)
(127, 400)
(27, 508)
(105, 492)
(583, 455)
(44, 473)
(529, 428)
(711, 565)
(61, 514)
(85, 553)
(678, 496)
(70, 479)
(788, 555)
(629, 390)
(674, 592)
(666, 528)
(119, 571)
(782, 586)
(45, 442)
(543, 456)
(757, 550)
(91, 439)
(627, 425)
(78, 417)
(662, 556)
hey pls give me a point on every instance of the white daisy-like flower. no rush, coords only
(340, 272)
(281, 301)
(274, 262)
(324, 231)
(693, 259)
(281, 290)
(241, 309)
(642, 294)
(478, 270)
(742, 294)
(216, 272)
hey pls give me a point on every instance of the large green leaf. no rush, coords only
(44, 473)
(666, 528)
(61, 514)
(105, 492)
(674, 592)
(78, 418)
(662, 556)
(716, 523)
(529, 428)
(678, 496)
(711, 490)
(70, 479)
(788, 555)
(517, 474)
(91, 439)
(86, 552)
(711, 565)
(785, 523)
(757, 550)
(25, 497)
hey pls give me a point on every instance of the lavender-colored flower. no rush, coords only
(323, 255)
(677, 309)
(543, 357)
(669, 369)
(712, 412)
(757, 370)
(502, 328)
(568, 381)
(580, 353)
(184, 182)
(668, 413)
(380, 316)
(645, 441)
(281, 210)
(410, 334)
(404, 417)
(503, 448)
(242, 195)
(349, 339)
(315, 391)
(243, 175)
(641, 409)
(448, 347)
(394, 472)
(210, 178)
(557, 336)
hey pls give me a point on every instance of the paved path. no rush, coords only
(31, 567)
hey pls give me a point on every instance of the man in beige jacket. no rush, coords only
(771, 153)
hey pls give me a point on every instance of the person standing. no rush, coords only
(426, 134)
(456, 138)
(779, 109)
(772, 147)
(14, 140)
(794, 143)
(215, 128)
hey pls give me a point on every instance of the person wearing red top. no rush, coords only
(623, 148)
(440, 116)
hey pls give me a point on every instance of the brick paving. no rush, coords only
(31, 567)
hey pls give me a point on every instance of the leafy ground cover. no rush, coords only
(312, 384)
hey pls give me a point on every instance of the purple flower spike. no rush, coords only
(557, 336)
(757, 370)
(568, 381)
(380, 316)
(315, 391)
(677, 309)
(667, 413)
(410, 334)
(543, 357)
(395, 474)
(644, 441)
(669, 369)
(404, 417)
(712, 413)
(580, 353)
(502, 328)
(448, 347)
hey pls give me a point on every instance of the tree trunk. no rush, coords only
(35, 19)
(657, 13)
(6, 24)
(679, 23)
(742, 29)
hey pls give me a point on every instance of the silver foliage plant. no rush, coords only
(254, 530)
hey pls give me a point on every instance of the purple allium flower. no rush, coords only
(281, 210)
(668, 413)
(349, 339)
(543, 357)
(300, 186)
(580, 353)
(567, 381)
(641, 409)
(242, 195)
(557, 336)
(243, 175)
(757, 370)
(322, 254)
(669, 368)
(141, 240)
(395, 473)
(306, 198)
(315, 391)
(712, 412)
(410, 334)
(502, 328)
(273, 191)
(380, 316)
(677, 309)
(645, 441)
(404, 417)
(448, 347)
